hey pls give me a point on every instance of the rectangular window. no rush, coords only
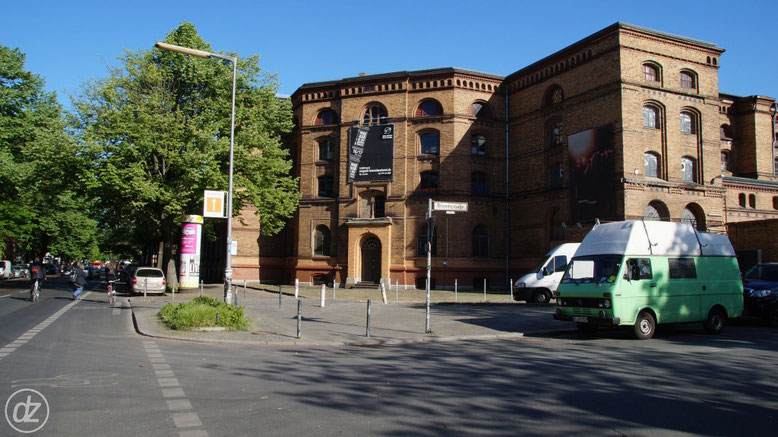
(638, 268)
(682, 268)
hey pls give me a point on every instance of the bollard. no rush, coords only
(279, 296)
(174, 293)
(299, 318)
(236, 294)
(244, 289)
(484, 289)
(145, 287)
(455, 290)
(396, 291)
(510, 290)
(201, 288)
(322, 295)
(334, 287)
(367, 328)
(383, 293)
(296, 288)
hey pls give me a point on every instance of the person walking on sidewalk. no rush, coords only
(79, 280)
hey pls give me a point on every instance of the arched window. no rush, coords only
(321, 241)
(478, 145)
(421, 241)
(478, 183)
(480, 242)
(480, 110)
(326, 150)
(752, 200)
(656, 210)
(688, 123)
(429, 181)
(687, 169)
(374, 114)
(725, 131)
(693, 214)
(651, 164)
(650, 117)
(687, 80)
(429, 108)
(430, 143)
(741, 200)
(555, 134)
(650, 72)
(326, 116)
(325, 186)
(724, 161)
(554, 96)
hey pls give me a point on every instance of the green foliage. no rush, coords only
(201, 312)
(42, 176)
(158, 130)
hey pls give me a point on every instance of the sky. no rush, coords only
(72, 42)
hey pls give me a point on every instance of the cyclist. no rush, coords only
(37, 274)
(110, 278)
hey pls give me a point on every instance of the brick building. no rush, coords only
(627, 123)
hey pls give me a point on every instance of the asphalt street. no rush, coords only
(100, 377)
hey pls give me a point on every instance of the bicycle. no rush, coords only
(111, 293)
(35, 290)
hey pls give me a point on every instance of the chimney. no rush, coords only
(362, 74)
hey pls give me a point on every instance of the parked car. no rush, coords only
(148, 280)
(760, 292)
(6, 269)
(21, 271)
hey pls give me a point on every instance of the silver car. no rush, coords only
(147, 280)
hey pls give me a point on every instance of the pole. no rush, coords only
(455, 290)
(228, 267)
(235, 288)
(383, 293)
(201, 288)
(510, 289)
(397, 291)
(296, 287)
(322, 295)
(429, 268)
(484, 289)
(299, 318)
(244, 289)
(367, 327)
(145, 287)
(334, 287)
(279, 296)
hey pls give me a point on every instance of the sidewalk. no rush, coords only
(343, 321)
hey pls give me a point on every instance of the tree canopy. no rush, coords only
(157, 132)
(42, 178)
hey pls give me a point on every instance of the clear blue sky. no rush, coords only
(69, 42)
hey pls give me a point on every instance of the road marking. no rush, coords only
(180, 408)
(32, 332)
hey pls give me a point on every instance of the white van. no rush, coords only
(539, 286)
(6, 269)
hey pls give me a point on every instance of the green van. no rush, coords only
(640, 274)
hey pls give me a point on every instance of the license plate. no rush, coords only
(580, 319)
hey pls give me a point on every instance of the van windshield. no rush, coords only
(593, 268)
(542, 263)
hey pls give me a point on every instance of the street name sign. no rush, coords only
(449, 206)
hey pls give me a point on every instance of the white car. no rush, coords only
(6, 269)
(21, 271)
(147, 280)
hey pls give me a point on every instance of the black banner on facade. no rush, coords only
(591, 159)
(371, 153)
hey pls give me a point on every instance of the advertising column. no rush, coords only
(189, 273)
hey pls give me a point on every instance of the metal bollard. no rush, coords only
(145, 287)
(296, 288)
(322, 295)
(279, 296)
(244, 289)
(236, 294)
(455, 290)
(334, 287)
(201, 288)
(484, 289)
(299, 318)
(383, 293)
(396, 291)
(174, 293)
(510, 289)
(367, 328)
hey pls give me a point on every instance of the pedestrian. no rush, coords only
(37, 274)
(79, 280)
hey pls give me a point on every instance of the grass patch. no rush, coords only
(202, 312)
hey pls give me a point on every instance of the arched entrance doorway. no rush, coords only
(371, 259)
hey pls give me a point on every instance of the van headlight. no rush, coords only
(521, 285)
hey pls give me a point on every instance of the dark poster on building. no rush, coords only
(592, 194)
(371, 150)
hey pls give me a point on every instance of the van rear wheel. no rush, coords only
(714, 324)
(541, 296)
(645, 325)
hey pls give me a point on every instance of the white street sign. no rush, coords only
(213, 204)
(450, 206)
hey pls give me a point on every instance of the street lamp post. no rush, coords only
(234, 61)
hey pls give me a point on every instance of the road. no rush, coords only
(100, 378)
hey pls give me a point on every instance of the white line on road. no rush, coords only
(32, 332)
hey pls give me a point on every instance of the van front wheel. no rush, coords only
(541, 296)
(715, 321)
(645, 325)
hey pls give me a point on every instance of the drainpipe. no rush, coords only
(773, 110)
(508, 198)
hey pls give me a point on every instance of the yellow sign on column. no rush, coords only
(213, 204)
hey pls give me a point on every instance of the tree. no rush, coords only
(42, 205)
(158, 130)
